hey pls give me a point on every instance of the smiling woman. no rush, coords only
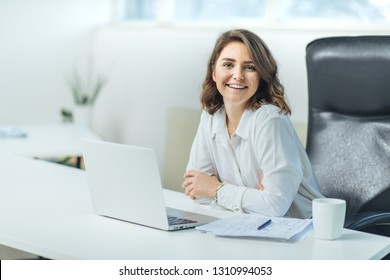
(246, 155)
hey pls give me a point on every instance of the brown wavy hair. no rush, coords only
(270, 90)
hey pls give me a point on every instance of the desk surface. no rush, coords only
(46, 210)
(48, 140)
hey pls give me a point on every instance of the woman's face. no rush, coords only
(235, 75)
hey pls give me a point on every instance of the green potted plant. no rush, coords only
(85, 87)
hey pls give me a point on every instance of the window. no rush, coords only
(218, 10)
(281, 12)
(353, 11)
(138, 10)
(192, 10)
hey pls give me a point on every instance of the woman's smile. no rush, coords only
(237, 86)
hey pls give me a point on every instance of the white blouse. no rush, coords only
(265, 149)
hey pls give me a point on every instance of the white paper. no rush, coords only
(246, 225)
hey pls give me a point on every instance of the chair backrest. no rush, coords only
(348, 137)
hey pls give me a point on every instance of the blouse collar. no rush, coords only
(219, 123)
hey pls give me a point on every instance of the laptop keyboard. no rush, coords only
(179, 221)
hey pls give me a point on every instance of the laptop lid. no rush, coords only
(125, 184)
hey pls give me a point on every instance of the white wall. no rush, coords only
(40, 42)
(155, 73)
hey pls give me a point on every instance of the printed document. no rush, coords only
(253, 225)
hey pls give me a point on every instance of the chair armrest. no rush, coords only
(372, 222)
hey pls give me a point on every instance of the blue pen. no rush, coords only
(264, 225)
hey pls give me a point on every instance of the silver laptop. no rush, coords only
(125, 184)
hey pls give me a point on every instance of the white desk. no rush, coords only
(45, 209)
(48, 140)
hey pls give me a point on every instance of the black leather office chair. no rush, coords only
(348, 137)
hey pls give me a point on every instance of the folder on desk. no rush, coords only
(257, 226)
(12, 132)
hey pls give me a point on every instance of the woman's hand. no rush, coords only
(199, 184)
(260, 187)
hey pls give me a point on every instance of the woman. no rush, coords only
(246, 155)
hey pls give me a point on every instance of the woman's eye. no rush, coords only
(250, 68)
(228, 65)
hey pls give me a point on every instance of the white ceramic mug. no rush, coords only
(328, 217)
